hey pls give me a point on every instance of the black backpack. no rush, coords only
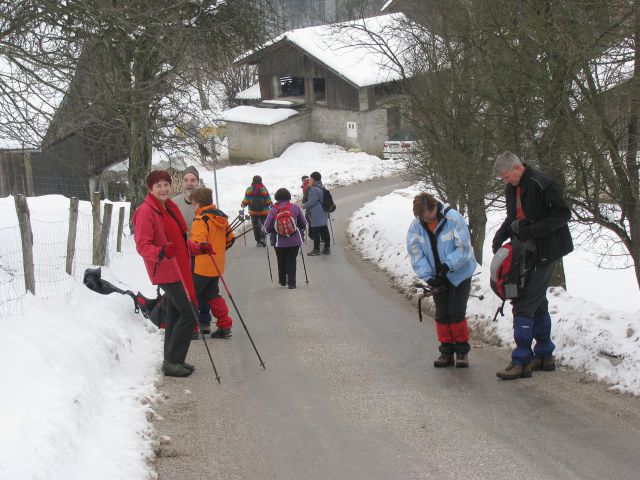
(327, 201)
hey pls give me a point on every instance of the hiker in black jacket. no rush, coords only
(536, 214)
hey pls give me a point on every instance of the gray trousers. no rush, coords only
(181, 322)
(534, 301)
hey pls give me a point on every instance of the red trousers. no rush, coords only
(220, 310)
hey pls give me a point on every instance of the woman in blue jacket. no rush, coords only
(439, 246)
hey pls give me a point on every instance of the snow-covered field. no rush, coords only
(79, 370)
(596, 323)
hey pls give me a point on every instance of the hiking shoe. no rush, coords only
(291, 287)
(462, 360)
(205, 328)
(221, 333)
(175, 369)
(314, 253)
(283, 284)
(188, 366)
(547, 364)
(196, 336)
(511, 372)
(444, 360)
(326, 251)
(261, 244)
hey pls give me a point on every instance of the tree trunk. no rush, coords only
(139, 156)
(478, 226)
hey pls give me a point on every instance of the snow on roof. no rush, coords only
(251, 93)
(258, 116)
(386, 5)
(356, 50)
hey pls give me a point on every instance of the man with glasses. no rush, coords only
(538, 215)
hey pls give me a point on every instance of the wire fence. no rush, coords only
(49, 258)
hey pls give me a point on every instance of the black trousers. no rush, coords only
(180, 324)
(257, 222)
(287, 265)
(317, 233)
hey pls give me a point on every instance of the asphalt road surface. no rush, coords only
(349, 390)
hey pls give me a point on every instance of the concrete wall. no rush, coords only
(255, 143)
(330, 126)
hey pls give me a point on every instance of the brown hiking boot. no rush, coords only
(444, 360)
(511, 372)
(547, 364)
(462, 360)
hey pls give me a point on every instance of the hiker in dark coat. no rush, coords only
(161, 240)
(257, 198)
(318, 216)
(538, 215)
(440, 250)
(286, 245)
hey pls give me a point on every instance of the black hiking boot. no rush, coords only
(444, 360)
(462, 360)
(221, 333)
(326, 251)
(314, 253)
(175, 369)
(188, 366)
(205, 328)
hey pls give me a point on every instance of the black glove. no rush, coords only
(515, 227)
(441, 271)
(433, 283)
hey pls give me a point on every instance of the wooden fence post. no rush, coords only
(120, 228)
(22, 210)
(73, 228)
(104, 235)
(95, 208)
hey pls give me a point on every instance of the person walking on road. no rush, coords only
(258, 200)
(318, 217)
(161, 240)
(190, 181)
(538, 215)
(440, 251)
(286, 223)
(211, 227)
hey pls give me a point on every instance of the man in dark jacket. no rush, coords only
(538, 215)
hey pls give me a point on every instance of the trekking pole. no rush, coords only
(304, 266)
(195, 315)
(244, 231)
(331, 227)
(266, 246)
(236, 308)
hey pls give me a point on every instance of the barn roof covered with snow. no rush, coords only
(358, 51)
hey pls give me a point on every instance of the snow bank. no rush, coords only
(257, 116)
(589, 333)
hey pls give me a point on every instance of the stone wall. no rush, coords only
(366, 131)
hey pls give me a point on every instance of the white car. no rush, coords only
(402, 143)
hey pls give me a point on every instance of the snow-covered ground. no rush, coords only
(596, 324)
(80, 369)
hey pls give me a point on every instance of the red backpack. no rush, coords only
(509, 270)
(285, 223)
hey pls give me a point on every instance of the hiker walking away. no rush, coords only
(305, 196)
(259, 202)
(161, 240)
(211, 226)
(538, 215)
(318, 217)
(440, 250)
(286, 223)
(191, 181)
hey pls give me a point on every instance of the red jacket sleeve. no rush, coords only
(143, 233)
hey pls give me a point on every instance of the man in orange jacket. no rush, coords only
(211, 226)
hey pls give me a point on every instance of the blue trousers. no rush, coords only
(204, 311)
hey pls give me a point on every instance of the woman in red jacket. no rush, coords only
(160, 234)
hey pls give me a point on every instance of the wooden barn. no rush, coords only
(346, 90)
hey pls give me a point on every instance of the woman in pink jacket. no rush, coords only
(161, 240)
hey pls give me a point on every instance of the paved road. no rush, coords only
(350, 392)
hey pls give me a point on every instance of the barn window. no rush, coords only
(292, 86)
(319, 91)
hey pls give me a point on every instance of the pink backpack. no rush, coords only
(285, 222)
